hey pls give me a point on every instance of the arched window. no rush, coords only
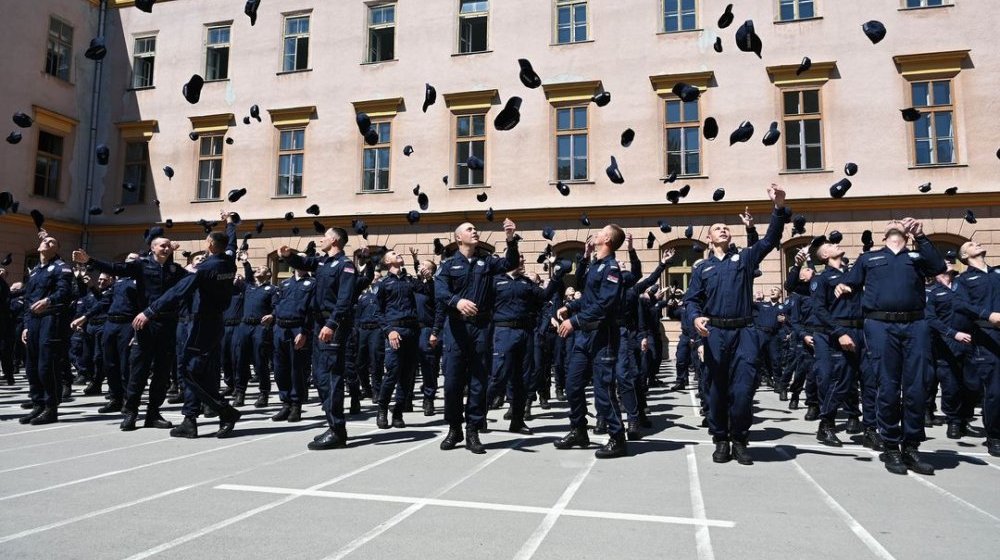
(570, 251)
(788, 251)
(279, 268)
(678, 275)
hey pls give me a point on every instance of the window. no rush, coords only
(571, 21)
(381, 33)
(291, 153)
(788, 253)
(471, 141)
(683, 130)
(933, 132)
(217, 54)
(678, 275)
(803, 130)
(791, 10)
(48, 165)
(59, 51)
(926, 3)
(570, 251)
(279, 268)
(143, 59)
(296, 55)
(679, 15)
(376, 160)
(210, 167)
(571, 143)
(473, 19)
(136, 171)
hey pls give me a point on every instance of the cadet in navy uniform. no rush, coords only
(152, 350)
(898, 337)
(396, 314)
(594, 320)
(369, 363)
(803, 325)
(463, 287)
(47, 297)
(952, 338)
(292, 338)
(7, 334)
(980, 298)
(91, 321)
(213, 282)
(840, 352)
(331, 311)
(118, 334)
(253, 337)
(766, 321)
(719, 302)
(515, 305)
(232, 318)
(431, 323)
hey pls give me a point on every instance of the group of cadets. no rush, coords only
(873, 339)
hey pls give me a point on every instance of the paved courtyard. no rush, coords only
(83, 489)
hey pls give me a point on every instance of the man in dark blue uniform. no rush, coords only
(463, 287)
(369, 359)
(7, 334)
(231, 320)
(803, 324)
(292, 339)
(766, 322)
(593, 320)
(719, 300)
(952, 344)
(431, 324)
(980, 300)
(331, 311)
(898, 336)
(91, 321)
(213, 283)
(840, 352)
(152, 350)
(253, 338)
(47, 297)
(118, 334)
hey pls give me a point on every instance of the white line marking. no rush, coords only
(56, 442)
(35, 431)
(143, 466)
(488, 506)
(952, 497)
(403, 515)
(702, 537)
(250, 513)
(530, 547)
(90, 515)
(21, 468)
(846, 447)
(873, 545)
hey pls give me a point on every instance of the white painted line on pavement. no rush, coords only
(952, 497)
(530, 546)
(488, 506)
(703, 540)
(37, 430)
(143, 466)
(21, 468)
(269, 506)
(90, 515)
(873, 545)
(403, 515)
(56, 442)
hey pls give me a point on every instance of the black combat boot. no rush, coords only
(912, 459)
(239, 399)
(262, 401)
(296, 414)
(722, 453)
(155, 420)
(453, 438)
(893, 459)
(615, 447)
(35, 411)
(827, 435)
(188, 428)
(228, 417)
(741, 453)
(283, 414)
(129, 418)
(472, 442)
(382, 419)
(428, 406)
(577, 437)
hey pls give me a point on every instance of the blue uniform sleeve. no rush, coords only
(771, 239)
(123, 269)
(694, 297)
(442, 288)
(300, 262)
(855, 278)
(511, 257)
(603, 301)
(345, 296)
(931, 260)
(821, 305)
(231, 234)
(653, 278)
(752, 235)
(179, 292)
(934, 319)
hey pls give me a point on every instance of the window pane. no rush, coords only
(369, 158)
(691, 111)
(674, 163)
(579, 169)
(384, 132)
(563, 146)
(812, 132)
(945, 151)
(368, 182)
(297, 160)
(562, 119)
(810, 101)
(563, 15)
(479, 125)
(922, 126)
(814, 157)
(579, 118)
(691, 138)
(806, 9)
(284, 165)
(921, 94)
(383, 158)
(791, 102)
(942, 124)
(692, 163)
(302, 54)
(673, 111)
(479, 150)
(580, 145)
(793, 132)
(787, 10)
(923, 152)
(942, 93)
(383, 180)
(563, 35)
(463, 126)
(673, 139)
(792, 157)
(688, 22)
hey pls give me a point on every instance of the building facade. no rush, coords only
(311, 66)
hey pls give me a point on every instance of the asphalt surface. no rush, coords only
(83, 489)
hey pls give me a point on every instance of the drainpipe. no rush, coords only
(95, 107)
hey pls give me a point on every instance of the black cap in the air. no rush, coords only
(840, 188)
(22, 120)
(430, 96)
(236, 194)
(438, 247)
(910, 114)
(474, 163)
(798, 225)
(742, 134)
(168, 223)
(664, 226)
(130, 187)
(192, 89)
(527, 75)
(295, 230)
(407, 150)
(718, 45)
(689, 231)
(585, 220)
(548, 232)
(817, 241)
(874, 30)
(674, 196)
(508, 118)
(719, 194)
(650, 240)
(925, 188)
(289, 216)
(103, 154)
(230, 141)
(627, 137)
(255, 112)
(836, 237)
(119, 210)
(804, 66)
(413, 217)
(950, 191)
(364, 122)
(747, 39)
(168, 171)
(489, 214)
(482, 197)
(772, 135)
(313, 210)
(95, 211)
(601, 99)
(671, 178)
(145, 5)
(423, 201)
(319, 227)
(851, 169)
(614, 173)
(563, 188)
(97, 49)
(866, 239)
(686, 92)
(14, 137)
(726, 19)
(711, 128)
(259, 227)
(685, 190)
(7, 259)
(246, 120)
(250, 9)
(970, 216)
(950, 256)
(371, 136)
(193, 135)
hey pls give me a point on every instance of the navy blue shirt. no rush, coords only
(52, 280)
(895, 282)
(258, 301)
(396, 302)
(294, 297)
(943, 311)
(124, 298)
(366, 310)
(601, 299)
(980, 292)
(766, 316)
(212, 281)
(520, 299)
(827, 308)
(336, 278)
(234, 312)
(461, 278)
(152, 278)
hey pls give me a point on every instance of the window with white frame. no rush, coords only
(217, 53)
(683, 136)
(803, 135)
(291, 158)
(791, 10)
(376, 159)
(934, 131)
(381, 32)
(296, 48)
(680, 15)
(470, 140)
(571, 21)
(473, 23)
(572, 133)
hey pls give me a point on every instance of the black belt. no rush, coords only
(119, 319)
(368, 325)
(850, 323)
(514, 324)
(736, 323)
(290, 323)
(231, 322)
(986, 325)
(251, 320)
(895, 316)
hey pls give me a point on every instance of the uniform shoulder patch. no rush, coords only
(813, 286)
(736, 257)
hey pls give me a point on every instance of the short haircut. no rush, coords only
(430, 265)
(339, 235)
(617, 236)
(219, 240)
